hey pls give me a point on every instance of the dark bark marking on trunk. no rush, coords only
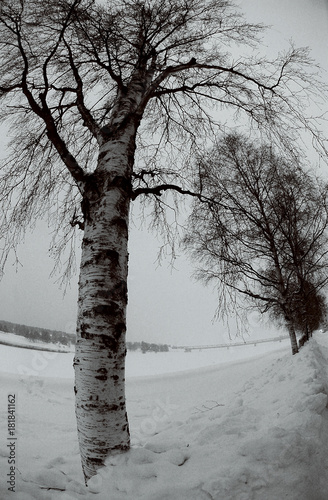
(101, 443)
(113, 408)
(101, 156)
(91, 192)
(105, 294)
(86, 263)
(110, 310)
(96, 461)
(112, 345)
(113, 256)
(121, 182)
(105, 408)
(119, 359)
(108, 255)
(104, 341)
(103, 374)
(85, 207)
(86, 314)
(122, 207)
(109, 132)
(120, 224)
(118, 292)
(94, 398)
(89, 406)
(87, 241)
(119, 329)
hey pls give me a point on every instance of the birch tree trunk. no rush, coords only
(99, 361)
(292, 336)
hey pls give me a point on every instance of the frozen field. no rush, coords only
(53, 364)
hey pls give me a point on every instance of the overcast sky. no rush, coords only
(164, 305)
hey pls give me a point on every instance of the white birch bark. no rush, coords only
(100, 349)
(292, 336)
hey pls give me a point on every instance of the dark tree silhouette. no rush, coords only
(309, 310)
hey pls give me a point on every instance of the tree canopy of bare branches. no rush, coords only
(263, 231)
(69, 70)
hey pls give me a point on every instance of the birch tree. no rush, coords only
(261, 233)
(106, 101)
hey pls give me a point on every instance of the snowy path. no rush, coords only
(255, 429)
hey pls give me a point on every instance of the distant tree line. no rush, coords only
(56, 337)
(147, 347)
(38, 334)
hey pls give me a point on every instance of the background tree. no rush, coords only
(262, 232)
(106, 102)
(309, 310)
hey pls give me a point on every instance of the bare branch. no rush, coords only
(85, 112)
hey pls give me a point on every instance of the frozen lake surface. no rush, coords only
(59, 365)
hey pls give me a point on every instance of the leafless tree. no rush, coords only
(308, 309)
(261, 232)
(106, 102)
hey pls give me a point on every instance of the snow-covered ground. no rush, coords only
(19, 340)
(242, 429)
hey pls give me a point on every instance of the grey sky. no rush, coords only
(164, 305)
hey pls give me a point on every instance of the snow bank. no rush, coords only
(248, 430)
(12, 339)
